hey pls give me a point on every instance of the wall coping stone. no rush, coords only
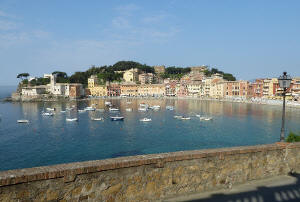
(69, 171)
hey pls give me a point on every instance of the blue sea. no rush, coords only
(52, 140)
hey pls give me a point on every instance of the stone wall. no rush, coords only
(149, 177)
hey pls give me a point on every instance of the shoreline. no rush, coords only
(259, 101)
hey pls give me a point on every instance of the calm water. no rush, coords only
(52, 140)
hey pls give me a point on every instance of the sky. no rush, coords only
(250, 39)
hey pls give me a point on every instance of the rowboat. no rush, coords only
(50, 109)
(47, 114)
(70, 120)
(117, 118)
(113, 109)
(145, 120)
(97, 119)
(23, 121)
(89, 109)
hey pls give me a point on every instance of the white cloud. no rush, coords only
(7, 25)
(155, 18)
(120, 22)
(127, 9)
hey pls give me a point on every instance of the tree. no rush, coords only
(22, 75)
(61, 77)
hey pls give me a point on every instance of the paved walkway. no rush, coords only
(276, 189)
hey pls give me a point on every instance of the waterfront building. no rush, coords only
(94, 88)
(131, 75)
(76, 90)
(33, 90)
(113, 90)
(146, 78)
(236, 89)
(171, 87)
(155, 90)
(130, 90)
(181, 90)
(295, 87)
(257, 88)
(194, 88)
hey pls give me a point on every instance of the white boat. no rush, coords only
(144, 105)
(117, 118)
(169, 107)
(50, 109)
(47, 114)
(107, 103)
(97, 119)
(185, 118)
(142, 109)
(145, 120)
(113, 109)
(177, 117)
(155, 107)
(89, 109)
(23, 121)
(69, 119)
(208, 118)
(198, 115)
(81, 110)
(129, 109)
(62, 111)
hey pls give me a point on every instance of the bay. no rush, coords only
(52, 140)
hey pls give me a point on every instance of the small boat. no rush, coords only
(50, 109)
(70, 120)
(81, 110)
(89, 109)
(47, 114)
(117, 118)
(107, 103)
(23, 121)
(62, 111)
(198, 115)
(208, 118)
(113, 109)
(69, 108)
(100, 110)
(155, 107)
(142, 109)
(185, 118)
(145, 120)
(97, 119)
(129, 109)
(144, 105)
(177, 117)
(169, 107)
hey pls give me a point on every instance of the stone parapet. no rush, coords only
(150, 177)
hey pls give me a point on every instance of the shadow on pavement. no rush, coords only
(289, 193)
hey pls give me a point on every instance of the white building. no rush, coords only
(33, 91)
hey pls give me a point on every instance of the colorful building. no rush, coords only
(130, 90)
(155, 90)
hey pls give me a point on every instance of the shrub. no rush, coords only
(293, 137)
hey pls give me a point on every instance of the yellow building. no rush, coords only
(155, 90)
(131, 75)
(94, 87)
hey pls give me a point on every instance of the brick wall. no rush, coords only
(149, 177)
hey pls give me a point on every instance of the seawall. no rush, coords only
(149, 177)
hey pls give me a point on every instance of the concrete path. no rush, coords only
(276, 189)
